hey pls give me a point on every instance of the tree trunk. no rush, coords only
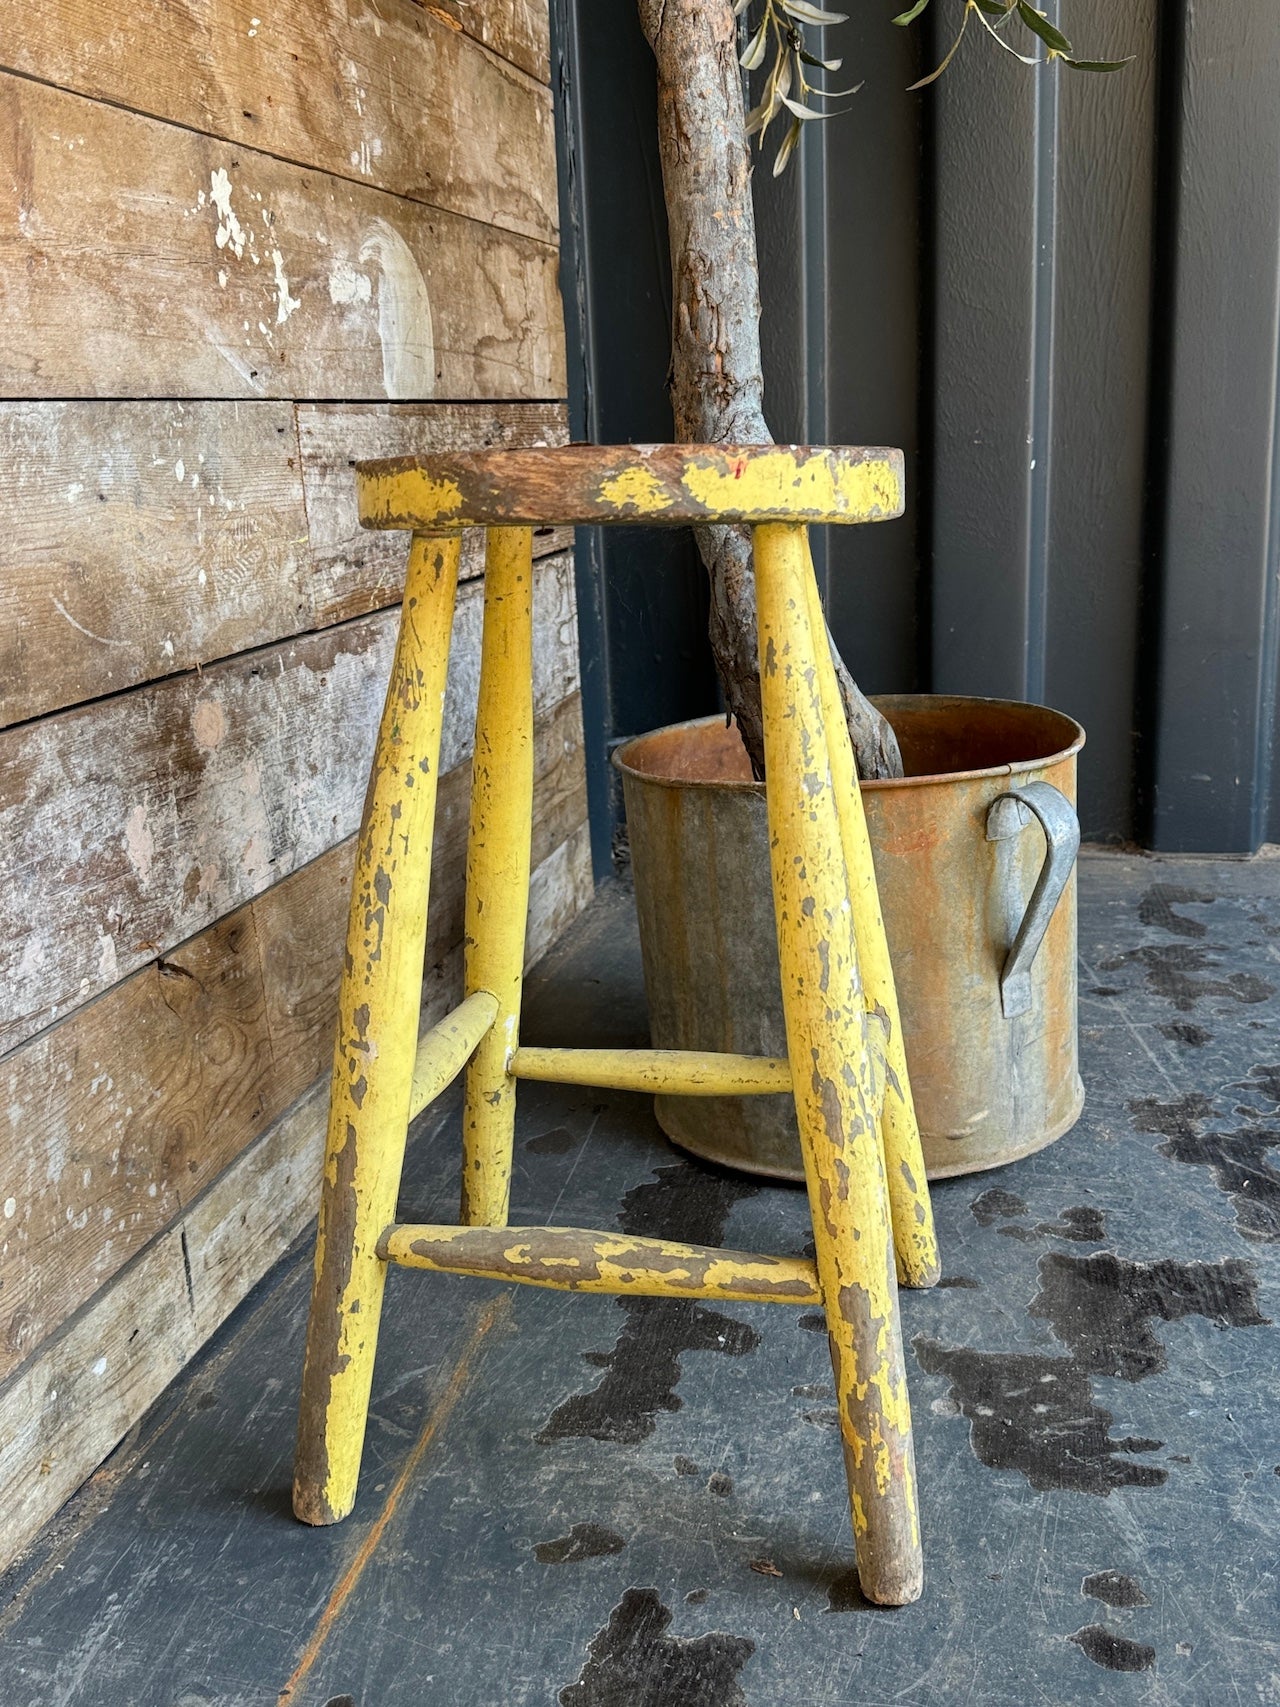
(717, 388)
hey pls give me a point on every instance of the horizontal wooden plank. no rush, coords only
(382, 90)
(64, 1413)
(71, 1405)
(141, 260)
(131, 824)
(333, 437)
(124, 1112)
(519, 30)
(142, 539)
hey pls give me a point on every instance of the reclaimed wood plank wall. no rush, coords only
(240, 247)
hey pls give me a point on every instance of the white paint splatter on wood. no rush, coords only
(404, 315)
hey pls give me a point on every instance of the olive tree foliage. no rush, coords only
(716, 382)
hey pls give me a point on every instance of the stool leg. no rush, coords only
(834, 1081)
(498, 848)
(915, 1243)
(377, 1041)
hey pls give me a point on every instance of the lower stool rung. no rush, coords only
(670, 1072)
(573, 1259)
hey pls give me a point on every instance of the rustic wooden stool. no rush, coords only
(867, 1193)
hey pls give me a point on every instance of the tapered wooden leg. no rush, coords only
(833, 1078)
(498, 846)
(915, 1243)
(376, 1045)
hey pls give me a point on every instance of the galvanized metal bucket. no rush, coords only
(975, 859)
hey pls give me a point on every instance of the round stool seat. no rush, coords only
(659, 485)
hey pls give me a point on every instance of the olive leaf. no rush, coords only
(812, 14)
(753, 56)
(787, 148)
(787, 90)
(950, 54)
(1096, 64)
(1039, 25)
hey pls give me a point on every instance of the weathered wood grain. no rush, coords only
(123, 1113)
(660, 485)
(74, 1401)
(519, 30)
(65, 1412)
(135, 822)
(142, 539)
(383, 91)
(139, 259)
(333, 437)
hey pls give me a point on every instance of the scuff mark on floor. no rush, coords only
(584, 1541)
(633, 1661)
(996, 1205)
(1114, 1588)
(1082, 1223)
(558, 1142)
(1102, 1306)
(642, 1371)
(1184, 975)
(1035, 1413)
(1238, 1159)
(1185, 1032)
(1156, 908)
(1115, 1653)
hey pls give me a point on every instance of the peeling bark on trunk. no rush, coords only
(717, 389)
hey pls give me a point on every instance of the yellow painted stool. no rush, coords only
(867, 1192)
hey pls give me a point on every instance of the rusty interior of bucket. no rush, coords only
(940, 735)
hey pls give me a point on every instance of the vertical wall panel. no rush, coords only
(839, 243)
(988, 124)
(1044, 213)
(1101, 374)
(871, 309)
(1216, 567)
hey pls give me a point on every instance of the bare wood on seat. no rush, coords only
(661, 485)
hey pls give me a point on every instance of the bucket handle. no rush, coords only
(1007, 815)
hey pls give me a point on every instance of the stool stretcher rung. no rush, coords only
(573, 1259)
(666, 1072)
(445, 1050)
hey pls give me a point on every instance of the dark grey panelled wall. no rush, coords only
(1044, 198)
(1215, 691)
(1061, 295)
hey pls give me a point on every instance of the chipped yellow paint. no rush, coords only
(839, 1054)
(827, 1042)
(373, 1063)
(661, 1072)
(636, 489)
(914, 1240)
(819, 485)
(498, 851)
(574, 1259)
(431, 502)
(660, 484)
(445, 1050)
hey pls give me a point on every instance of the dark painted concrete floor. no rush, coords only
(640, 1504)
